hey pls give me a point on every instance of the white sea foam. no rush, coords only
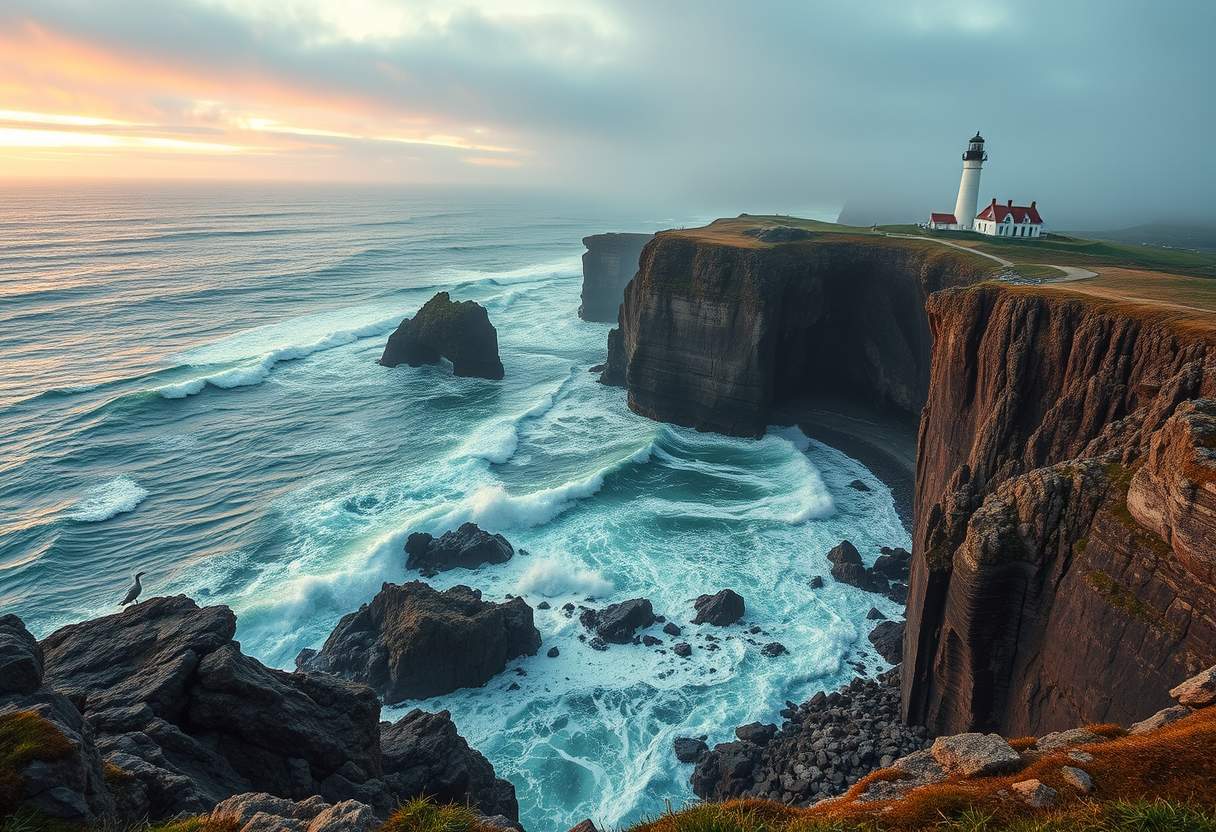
(552, 578)
(245, 375)
(499, 442)
(101, 502)
(491, 507)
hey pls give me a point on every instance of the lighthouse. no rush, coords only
(969, 186)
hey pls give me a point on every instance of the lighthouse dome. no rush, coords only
(977, 137)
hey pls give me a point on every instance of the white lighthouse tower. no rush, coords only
(969, 185)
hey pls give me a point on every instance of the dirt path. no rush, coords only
(1071, 273)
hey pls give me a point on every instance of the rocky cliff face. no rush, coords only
(610, 262)
(459, 331)
(1066, 464)
(1047, 589)
(714, 336)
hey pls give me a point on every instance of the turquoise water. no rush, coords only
(189, 388)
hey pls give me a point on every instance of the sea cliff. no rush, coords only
(1065, 472)
(610, 262)
(718, 331)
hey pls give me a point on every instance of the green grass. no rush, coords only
(423, 815)
(1037, 272)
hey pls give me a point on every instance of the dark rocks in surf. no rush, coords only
(461, 332)
(893, 563)
(823, 746)
(720, 609)
(888, 641)
(887, 577)
(682, 649)
(672, 629)
(817, 582)
(181, 719)
(467, 547)
(413, 641)
(773, 649)
(617, 623)
(689, 749)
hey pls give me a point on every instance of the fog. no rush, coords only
(1100, 111)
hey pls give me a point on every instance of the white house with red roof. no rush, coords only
(1010, 220)
(1006, 220)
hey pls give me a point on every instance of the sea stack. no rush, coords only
(610, 262)
(459, 331)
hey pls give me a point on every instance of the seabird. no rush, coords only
(134, 591)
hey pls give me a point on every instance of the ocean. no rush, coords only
(189, 387)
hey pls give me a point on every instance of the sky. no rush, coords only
(1102, 111)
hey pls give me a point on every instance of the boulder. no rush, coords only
(682, 649)
(875, 615)
(972, 755)
(773, 649)
(893, 564)
(1036, 794)
(1162, 718)
(888, 640)
(1068, 739)
(425, 756)
(817, 582)
(756, 732)
(1199, 691)
(1077, 778)
(720, 609)
(671, 629)
(413, 641)
(461, 332)
(467, 547)
(689, 749)
(262, 812)
(848, 569)
(617, 623)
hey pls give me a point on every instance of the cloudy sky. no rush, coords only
(1102, 111)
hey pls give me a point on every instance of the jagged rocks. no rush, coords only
(972, 755)
(261, 812)
(186, 720)
(584, 825)
(756, 732)
(413, 641)
(617, 623)
(682, 649)
(720, 609)
(20, 657)
(773, 649)
(1199, 691)
(825, 745)
(424, 755)
(888, 640)
(894, 564)
(458, 331)
(467, 547)
(672, 629)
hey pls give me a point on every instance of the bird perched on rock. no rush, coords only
(134, 591)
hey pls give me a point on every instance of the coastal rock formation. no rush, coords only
(183, 720)
(60, 772)
(461, 332)
(720, 609)
(1046, 589)
(824, 746)
(413, 641)
(888, 641)
(715, 335)
(261, 812)
(610, 262)
(467, 547)
(617, 623)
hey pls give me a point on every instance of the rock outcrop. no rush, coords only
(1046, 590)
(610, 262)
(413, 641)
(715, 335)
(617, 623)
(467, 547)
(183, 720)
(461, 332)
(723, 608)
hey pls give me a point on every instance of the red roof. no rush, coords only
(943, 218)
(1020, 213)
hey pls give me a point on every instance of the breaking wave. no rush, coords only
(104, 501)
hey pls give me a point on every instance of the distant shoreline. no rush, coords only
(884, 444)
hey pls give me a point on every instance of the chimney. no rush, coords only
(1032, 203)
(994, 202)
(1009, 204)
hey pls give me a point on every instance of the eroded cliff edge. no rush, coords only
(610, 262)
(717, 333)
(1065, 496)
(1041, 594)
